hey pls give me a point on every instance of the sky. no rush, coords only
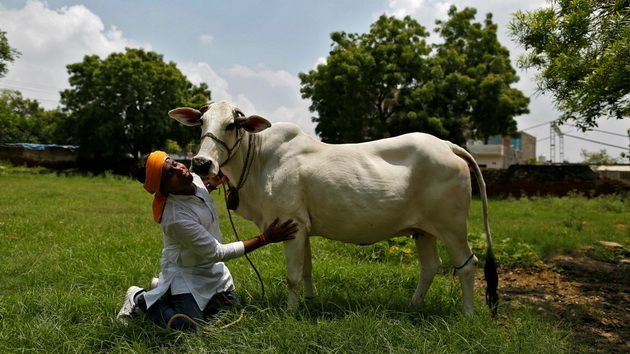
(251, 52)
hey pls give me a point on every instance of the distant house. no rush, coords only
(618, 172)
(503, 152)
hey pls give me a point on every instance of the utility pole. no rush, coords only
(553, 131)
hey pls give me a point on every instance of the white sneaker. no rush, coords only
(154, 283)
(129, 305)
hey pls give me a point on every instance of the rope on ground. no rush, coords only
(204, 327)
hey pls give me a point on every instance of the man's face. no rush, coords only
(175, 177)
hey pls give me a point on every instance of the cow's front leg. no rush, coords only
(294, 260)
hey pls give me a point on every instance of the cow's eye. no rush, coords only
(230, 126)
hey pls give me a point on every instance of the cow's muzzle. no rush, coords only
(201, 166)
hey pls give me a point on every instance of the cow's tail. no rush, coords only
(490, 270)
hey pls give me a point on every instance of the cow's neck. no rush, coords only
(239, 167)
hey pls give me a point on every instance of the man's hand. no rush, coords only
(282, 232)
(213, 182)
(274, 233)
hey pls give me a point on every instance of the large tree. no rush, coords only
(7, 54)
(118, 106)
(387, 82)
(354, 91)
(472, 78)
(581, 48)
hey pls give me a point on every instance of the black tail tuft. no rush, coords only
(492, 280)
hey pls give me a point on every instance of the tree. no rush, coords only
(598, 158)
(354, 92)
(581, 48)
(24, 121)
(386, 82)
(118, 106)
(7, 54)
(475, 75)
(626, 155)
(172, 146)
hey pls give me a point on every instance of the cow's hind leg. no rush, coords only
(307, 272)
(430, 262)
(465, 264)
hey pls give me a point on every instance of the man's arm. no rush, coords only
(274, 233)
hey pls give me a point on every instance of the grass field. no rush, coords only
(70, 247)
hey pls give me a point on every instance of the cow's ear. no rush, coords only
(204, 109)
(187, 116)
(252, 124)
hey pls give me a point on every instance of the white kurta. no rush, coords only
(193, 256)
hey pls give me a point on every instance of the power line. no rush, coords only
(611, 133)
(24, 83)
(601, 131)
(26, 88)
(34, 98)
(23, 86)
(572, 125)
(537, 125)
(597, 142)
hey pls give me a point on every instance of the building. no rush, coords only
(502, 152)
(618, 172)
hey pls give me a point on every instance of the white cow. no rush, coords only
(414, 184)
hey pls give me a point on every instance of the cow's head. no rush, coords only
(222, 128)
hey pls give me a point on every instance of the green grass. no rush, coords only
(70, 247)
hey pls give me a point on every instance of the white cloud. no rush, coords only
(245, 105)
(206, 39)
(297, 114)
(278, 78)
(274, 95)
(202, 72)
(51, 39)
(320, 60)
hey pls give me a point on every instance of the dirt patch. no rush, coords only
(590, 297)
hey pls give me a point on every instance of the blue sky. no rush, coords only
(248, 52)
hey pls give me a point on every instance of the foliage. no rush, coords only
(118, 106)
(608, 254)
(24, 121)
(355, 91)
(386, 83)
(473, 92)
(581, 48)
(401, 249)
(598, 158)
(172, 146)
(7, 54)
(509, 253)
(626, 155)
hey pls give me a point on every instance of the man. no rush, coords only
(194, 282)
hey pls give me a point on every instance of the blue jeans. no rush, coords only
(163, 310)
